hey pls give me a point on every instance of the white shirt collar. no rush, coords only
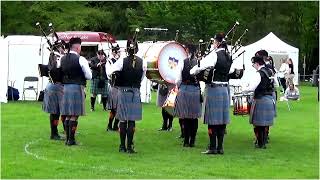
(261, 67)
(74, 52)
(219, 49)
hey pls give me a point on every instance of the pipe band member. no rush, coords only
(162, 94)
(262, 111)
(270, 65)
(99, 81)
(214, 70)
(114, 83)
(129, 108)
(54, 90)
(187, 104)
(76, 71)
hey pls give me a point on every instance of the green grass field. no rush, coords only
(27, 152)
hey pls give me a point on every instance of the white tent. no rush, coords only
(276, 48)
(20, 58)
(3, 70)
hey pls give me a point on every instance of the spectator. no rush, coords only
(292, 93)
(290, 76)
(283, 71)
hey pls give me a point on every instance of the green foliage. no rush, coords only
(294, 22)
(293, 151)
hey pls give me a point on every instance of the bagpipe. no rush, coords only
(53, 48)
(235, 47)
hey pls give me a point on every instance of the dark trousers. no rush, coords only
(216, 135)
(166, 117)
(127, 129)
(54, 121)
(283, 83)
(181, 123)
(116, 121)
(190, 131)
(261, 133)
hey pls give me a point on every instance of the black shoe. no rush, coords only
(210, 152)
(191, 145)
(220, 151)
(131, 151)
(260, 146)
(162, 129)
(169, 129)
(122, 149)
(180, 137)
(57, 138)
(71, 143)
(186, 145)
(109, 128)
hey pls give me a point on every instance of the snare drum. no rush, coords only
(242, 103)
(163, 59)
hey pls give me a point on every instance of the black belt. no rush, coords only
(217, 85)
(193, 84)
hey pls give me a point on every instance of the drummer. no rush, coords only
(215, 69)
(162, 93)
(187, 104)
(262, 110)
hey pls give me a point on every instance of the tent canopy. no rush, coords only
(273, 44)
(276, 48)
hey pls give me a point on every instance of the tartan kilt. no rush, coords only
(216, 105)
(187, 104)
(129, 105)
(262, 111)
(52, 98)
(94, 89)
(112, 100)
(73, 100)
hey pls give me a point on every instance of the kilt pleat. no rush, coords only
(52, 98)
(112, 98)
(187, 104)
(94, 89)
(262, 111)
(216, 105)
(129, 105)
(73, 100)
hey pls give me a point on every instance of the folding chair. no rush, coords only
(30, 81)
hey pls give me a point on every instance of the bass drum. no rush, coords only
(163, 58)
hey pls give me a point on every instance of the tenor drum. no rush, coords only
(163, 59)
(242, 103)
(169, 104)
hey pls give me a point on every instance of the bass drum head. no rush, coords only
(170, 57)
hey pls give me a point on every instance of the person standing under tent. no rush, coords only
(290, 76)
(54, 90)
(129, 108)
(99, 81)
(214, 70)
(187, 103)
(76, 71)
(113, 81)
(282, 73)
(262, 111)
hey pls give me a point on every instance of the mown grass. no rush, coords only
(293, 151)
